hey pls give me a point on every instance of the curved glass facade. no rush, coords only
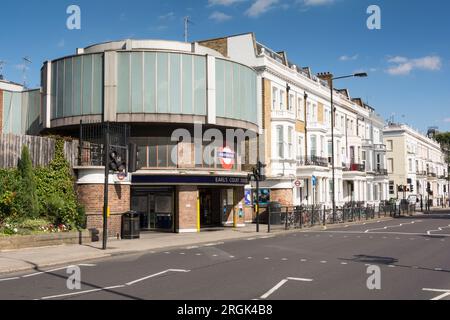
(160, 82)
(235, 91)
(77, 86)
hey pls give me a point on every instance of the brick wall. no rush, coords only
(187, 207)
(220, 45)
(267, 122)
(91, 196)
(283, 196)
(1, 111)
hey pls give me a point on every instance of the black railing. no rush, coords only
(286, 218)
(313, 161)
(381, 172)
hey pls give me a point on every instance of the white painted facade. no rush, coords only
(290, 160)
(417, 162)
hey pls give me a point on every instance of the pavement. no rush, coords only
(409, 257)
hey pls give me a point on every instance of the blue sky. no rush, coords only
(408, 60)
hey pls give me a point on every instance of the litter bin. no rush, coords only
(131, 225)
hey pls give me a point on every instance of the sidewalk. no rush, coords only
(37, 258)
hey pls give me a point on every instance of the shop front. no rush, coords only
(188, 203)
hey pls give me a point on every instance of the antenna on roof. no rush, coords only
(187, 21)
(26, 62)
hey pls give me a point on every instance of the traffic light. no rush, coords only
(411, 188)
(116, 164)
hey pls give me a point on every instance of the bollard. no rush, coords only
(269, 217)
(286, 218)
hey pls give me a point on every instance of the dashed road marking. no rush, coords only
(282, 283)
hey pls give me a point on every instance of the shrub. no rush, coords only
(27, 196)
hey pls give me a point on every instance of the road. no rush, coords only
(412, 254)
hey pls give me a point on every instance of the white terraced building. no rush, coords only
(416, 163)
(295, 120)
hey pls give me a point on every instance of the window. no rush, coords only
(390, 165)
(282, 99)
(280, 142)
(274, 98)
(314, 113)
(291, 102)
(390, 145)
(410, 165)
(300, 148)
(308, 111)
(378, 162)
(364, 158)
(290, 144)
(330, 152)
(391, 187)
(313, 144)
(300, 110)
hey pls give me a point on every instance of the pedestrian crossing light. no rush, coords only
(115, 162)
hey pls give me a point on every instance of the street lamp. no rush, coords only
(329, 77)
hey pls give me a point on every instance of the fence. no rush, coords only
(42, 150)
(310, 216)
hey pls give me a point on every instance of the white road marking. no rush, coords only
(57, 269)
(284, 259)
(232, 257)
(250, 239)
(429, 232)
(438, 269)
(250, 258)
(323, 262)
(344, 263)
(282, 283)
(445, 293)
(386, 227)
(391, 266)
(71, 294)
(198, 254)
(386, 233)
(9, 279)
(80, 292)
(192, 247)
(156, 275)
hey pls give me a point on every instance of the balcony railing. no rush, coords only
(421, 173)
(432, 175)
(355, 167)
(381, 172)
(313, 161)
(283, 114)
(444, 177)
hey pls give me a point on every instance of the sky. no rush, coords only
(408, 59)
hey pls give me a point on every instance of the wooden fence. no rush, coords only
(42, 150)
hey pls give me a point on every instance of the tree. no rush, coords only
(27, 194)
(444, 140)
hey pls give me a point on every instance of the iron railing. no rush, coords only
(299, 217)
(313, 161)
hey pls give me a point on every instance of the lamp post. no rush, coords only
(329, 77)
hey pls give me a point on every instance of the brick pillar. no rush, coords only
(91, 196)
(283, 196)
(1, 111)
(186, 218)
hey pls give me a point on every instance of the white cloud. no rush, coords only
(167, 16)
(220, 16)
(349, 58)
(260, 7)
(225, 3)
(404, 66)
(315, 3)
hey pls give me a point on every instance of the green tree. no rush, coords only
(27, 194)
(444, 140)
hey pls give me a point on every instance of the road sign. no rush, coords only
(299, 183)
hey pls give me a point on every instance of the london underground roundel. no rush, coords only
(226, 156)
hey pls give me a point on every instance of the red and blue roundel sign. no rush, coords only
(226, 156)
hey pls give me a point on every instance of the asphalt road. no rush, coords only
(413, 256)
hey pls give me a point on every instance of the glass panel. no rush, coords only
(220, 88)
(87, 84)
(150, 82)
(60, 87)
(228, 90)
(175, 83)
(68, 88)
(187, 107)
(237, 90)
(200, 85)
(173, 155)
(162, 154)
(53, 90)
(142, 157)
(6, 111)
(163, 83)
(136, 82)
(76, 86)
(97, 95)
(152, 154)
(123, 83)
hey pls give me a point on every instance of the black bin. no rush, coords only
(131, 225)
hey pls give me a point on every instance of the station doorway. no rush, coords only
(216, 206)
